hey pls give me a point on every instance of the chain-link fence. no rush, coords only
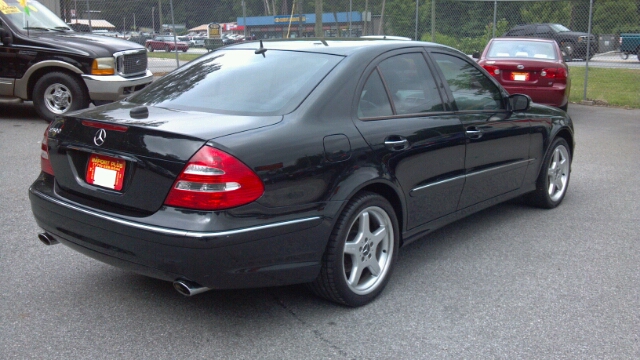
(463, 24)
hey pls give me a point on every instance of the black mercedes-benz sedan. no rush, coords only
(266, 164)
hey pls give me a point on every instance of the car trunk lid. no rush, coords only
(128, 160)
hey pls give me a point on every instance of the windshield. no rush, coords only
(240, 82)
(559, 28)
(501, 49)
(34, 17)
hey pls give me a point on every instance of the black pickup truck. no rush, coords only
(60, 70)
(572, 43)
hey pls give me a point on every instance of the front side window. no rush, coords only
(240, 82)
(471, 89)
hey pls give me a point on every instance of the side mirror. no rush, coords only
(6, 37)
(476, 55)
(519, 102)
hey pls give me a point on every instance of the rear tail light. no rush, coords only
(45, 164)
(214, 180)
(493, 70)
(554, 73)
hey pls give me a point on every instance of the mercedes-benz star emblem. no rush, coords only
(100, 137)
(520, 67)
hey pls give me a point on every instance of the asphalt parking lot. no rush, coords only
(512, 282)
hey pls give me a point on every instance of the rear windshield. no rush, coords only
(519, 49)
(240, 82)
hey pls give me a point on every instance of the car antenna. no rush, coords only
(324, 42)
(262, 50)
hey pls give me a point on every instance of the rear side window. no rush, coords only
(411, 84)
(374, 101)
(240, 82)
(471, 89)
(404, 81)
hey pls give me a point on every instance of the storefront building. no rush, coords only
(303, 25)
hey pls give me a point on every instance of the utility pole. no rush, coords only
(160, 14)
(89, 16)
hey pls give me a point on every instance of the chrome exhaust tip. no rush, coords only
(47, 239)
(189, 288)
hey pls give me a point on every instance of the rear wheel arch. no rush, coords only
(391, 195)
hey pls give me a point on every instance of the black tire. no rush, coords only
(57, 93)
(553, 181)
(184, 50)
(353, 243)
(150, 48)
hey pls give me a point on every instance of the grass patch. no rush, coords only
(172, 56)
(617, 87)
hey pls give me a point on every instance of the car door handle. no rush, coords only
(473, 132)
(396, 143)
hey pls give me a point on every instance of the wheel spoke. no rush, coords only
(374, 267)
(352, 248)
(363, 228)
(356, 273)
(378, 235)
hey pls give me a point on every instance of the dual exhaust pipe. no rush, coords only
(184, 287)
(189, 288)
(47, 239)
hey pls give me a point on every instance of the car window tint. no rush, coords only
(471, 89)
(411, 84)
(240, 82)
(373, 99)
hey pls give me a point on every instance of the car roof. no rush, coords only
(335, 47)
(517, 38)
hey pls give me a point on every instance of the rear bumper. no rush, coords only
(556, 95)
(115, 87)
(279, 252)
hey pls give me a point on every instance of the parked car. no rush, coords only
(61, 70)
(572, 43)
(295, 162)
(630, 44)
(166, 43)
(534, 67)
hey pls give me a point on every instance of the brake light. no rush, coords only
(99, 125)
(214, 180)
(45, 164)
(493, 70)
(554, 73)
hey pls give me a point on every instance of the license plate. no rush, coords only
(105, 171)
(519, 76)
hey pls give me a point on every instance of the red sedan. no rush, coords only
(534, 67)
(166, 43)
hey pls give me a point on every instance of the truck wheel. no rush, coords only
(150, 48)
(57, 93)
(184, 50)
